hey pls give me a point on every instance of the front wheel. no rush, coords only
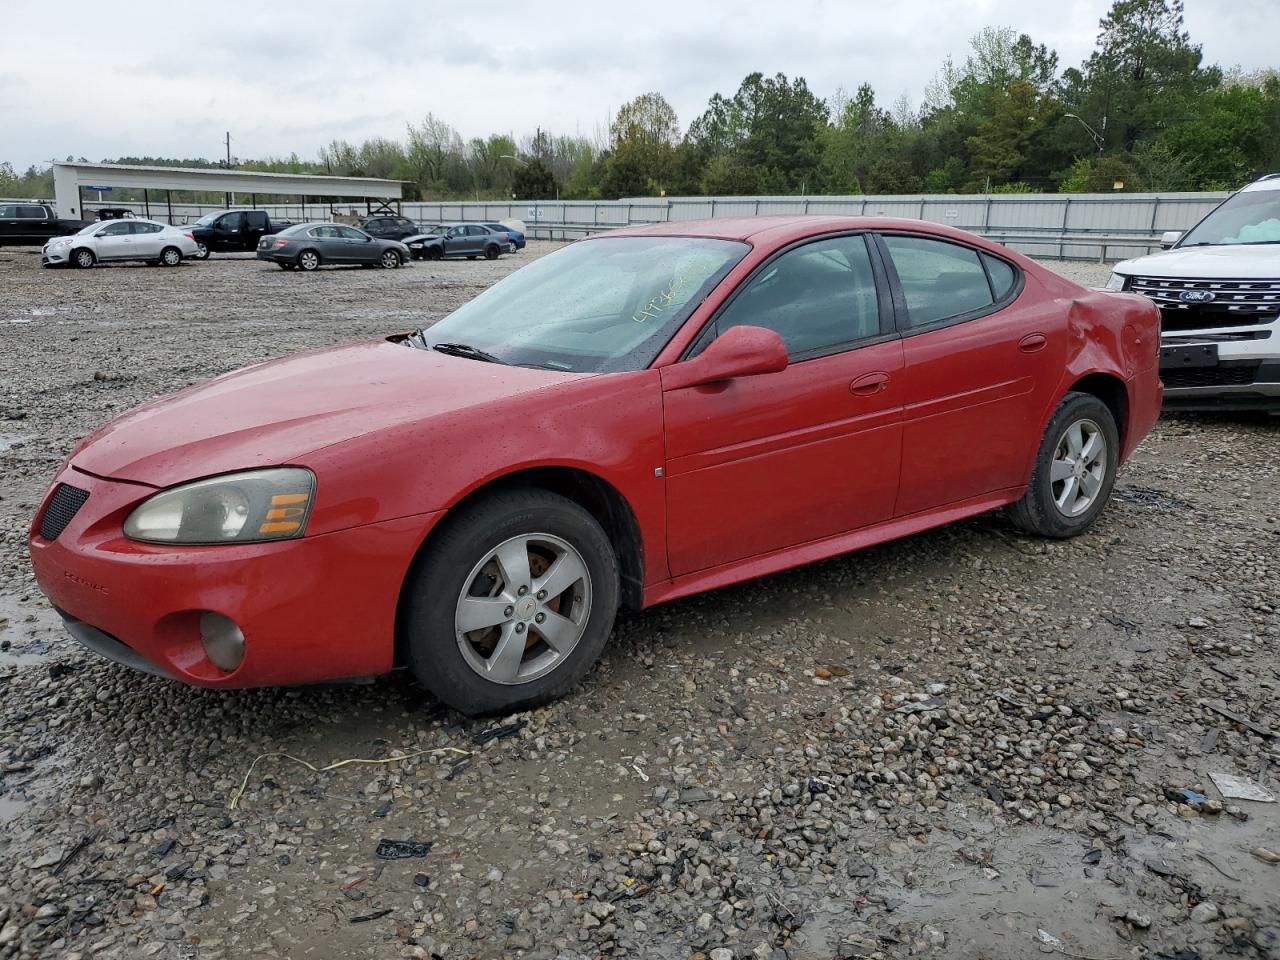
(512, 602)
(83, 258)
(202, 251)
(390, 259)
(1074, 472)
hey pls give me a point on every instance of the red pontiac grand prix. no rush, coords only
(639, 416)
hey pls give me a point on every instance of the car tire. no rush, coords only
(308, 260)
(202, 251)
(435, 253)
(170, 257)
(460, 568)
(82, 258)
(390, 260)
(1074, 472)
(491, 252)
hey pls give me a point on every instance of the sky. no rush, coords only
(141, 78)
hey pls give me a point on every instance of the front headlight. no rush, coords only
(1116, 282)
(235, 508)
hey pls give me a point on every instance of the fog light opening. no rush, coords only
(223, 640)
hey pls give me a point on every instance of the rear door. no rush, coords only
(478, 238)
(761, 463)
(148, 239)
(981, 365)
(332, 245)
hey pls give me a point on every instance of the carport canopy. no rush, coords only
(69, 177)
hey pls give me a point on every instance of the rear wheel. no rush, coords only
(491, 252)
(83, 258)
(308, 260)
(390, 259)
(512, 603)
(170, 257)
(1074, 472)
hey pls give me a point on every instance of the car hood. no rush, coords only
(421, 236)
(279, 411)
(1226, 262)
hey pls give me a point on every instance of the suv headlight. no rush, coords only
(1116, 282)
(244, 507)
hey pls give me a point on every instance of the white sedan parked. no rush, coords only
(113, 240)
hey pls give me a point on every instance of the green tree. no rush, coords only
(535, 181)
(642, 149)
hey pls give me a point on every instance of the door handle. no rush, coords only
(1032, 342)
(869, 384)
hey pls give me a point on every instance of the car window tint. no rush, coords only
(30, 212)
(324, 233)
(1002, 275)
(815, 297)
(939, 280)
(142, 227)
(115, 229)
(8, 213)
(351, 233)
(477, 231)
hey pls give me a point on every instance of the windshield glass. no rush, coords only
(605, 304)
(206, 220)
(1252, 217)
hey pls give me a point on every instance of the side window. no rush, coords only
(939, 279)
(815, 297)
(31, 212)
(141, 226)
(8, 213)
(477, 231)
(351, 233)
(456, 231)
(230, 222)
(324, 233)
(117, 229)
(1002, 275)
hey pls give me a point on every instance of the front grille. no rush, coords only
(1235, 303)
(1236, 375)
(63, 506)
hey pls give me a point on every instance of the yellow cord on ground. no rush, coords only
(244, 784)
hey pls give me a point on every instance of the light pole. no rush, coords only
(1098, 139)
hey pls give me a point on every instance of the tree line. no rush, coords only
(1143, 112)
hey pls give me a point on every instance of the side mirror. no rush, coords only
(1169, 238)
(738, 352)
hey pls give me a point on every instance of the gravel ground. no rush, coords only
(964, 744)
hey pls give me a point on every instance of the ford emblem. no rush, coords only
(1196, 296)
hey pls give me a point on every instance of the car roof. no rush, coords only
(784, 229)
(1270, 182)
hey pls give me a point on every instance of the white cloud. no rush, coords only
(169, 79)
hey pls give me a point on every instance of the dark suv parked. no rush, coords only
(388, 227)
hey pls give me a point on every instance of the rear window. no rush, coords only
(940, 280)
(1003, 277)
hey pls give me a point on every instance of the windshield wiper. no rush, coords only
(465, 350)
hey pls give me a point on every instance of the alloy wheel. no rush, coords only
(1079, 468)
(523, 608)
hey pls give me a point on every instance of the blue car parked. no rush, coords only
(516, 236)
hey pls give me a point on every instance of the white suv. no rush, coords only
(1218, 290)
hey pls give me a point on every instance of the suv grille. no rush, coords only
(1234, 303)
(63, 506)
(1236, 375)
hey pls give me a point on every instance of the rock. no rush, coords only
(1266, 855)
(1137, 920)
(1205, 912)
(1199, 623)
(520, 940)
(721, 953)
(704, 923)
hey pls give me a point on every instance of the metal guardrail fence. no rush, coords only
(1066, 226)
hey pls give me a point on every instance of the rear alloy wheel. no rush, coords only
(308, 260)
(83, 258)
(491, 252)
(170, 257)
(512, 602)
(389, 260)
(1074, 472)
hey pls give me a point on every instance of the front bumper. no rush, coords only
(55, 256)
(316, 608)
(1224, 369)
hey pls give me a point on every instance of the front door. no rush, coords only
(981, 368)
(360, 246)
(757, 464)
(114, 241)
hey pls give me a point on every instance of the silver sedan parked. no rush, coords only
(112, 240)
(307, 245)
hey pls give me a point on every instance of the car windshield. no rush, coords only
(206, 220)
(605, 304)
(1248, 217)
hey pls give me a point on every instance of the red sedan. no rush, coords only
(636, 417)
